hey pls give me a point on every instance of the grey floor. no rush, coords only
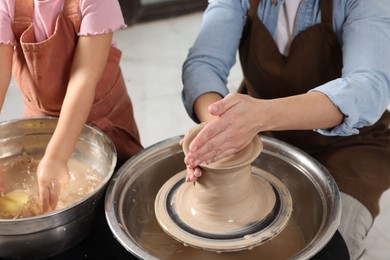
(153, 53)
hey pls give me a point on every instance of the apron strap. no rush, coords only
(71, 7)
(72, 11)
(24, 11)
(23, 17)
(326, 11)
(253, 6)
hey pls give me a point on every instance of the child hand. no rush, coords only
(193, 174)
(53, 176)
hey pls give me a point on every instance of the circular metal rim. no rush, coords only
(91, 196)
(271, 146)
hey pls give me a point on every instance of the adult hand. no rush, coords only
(193, 173)
(53, 177)
(236, 123)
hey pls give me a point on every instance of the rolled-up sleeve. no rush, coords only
(363, 92)
(213, 54)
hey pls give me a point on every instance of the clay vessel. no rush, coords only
(227, 198)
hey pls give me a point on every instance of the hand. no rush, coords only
(192, 173)
(236, 123)
(53, 176)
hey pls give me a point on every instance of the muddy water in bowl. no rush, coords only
(42, 236)
(20, 198)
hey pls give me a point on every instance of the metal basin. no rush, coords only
(50, 234)
(129, 201)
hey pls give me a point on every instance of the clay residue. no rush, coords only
(227, 207)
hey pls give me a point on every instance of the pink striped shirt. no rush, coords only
(97, 17)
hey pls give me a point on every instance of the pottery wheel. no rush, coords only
(229, 208)
(242, 237)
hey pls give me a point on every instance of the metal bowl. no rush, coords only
(129, 201)
(50, 234)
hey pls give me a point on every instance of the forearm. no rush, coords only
(74, 113)
(213, 54)
(202, 103)
(87, 68)
(308, 111)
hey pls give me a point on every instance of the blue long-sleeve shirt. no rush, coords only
(362, 28)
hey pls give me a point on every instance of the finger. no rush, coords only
(224, 150)
(221, 106)
(191, 178)
(219, 155)
(214, 147)
(232, 150)
(193, 174)
(223, 155)
(44, 197)
(209, 131)
(197, 172)
(190, 174)
(54, 192)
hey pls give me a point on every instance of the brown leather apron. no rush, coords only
(360, 164)
(42, 70)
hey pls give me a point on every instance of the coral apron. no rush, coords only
(42, 70)
(360, 164)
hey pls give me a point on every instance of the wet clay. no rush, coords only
(231, 207)
(227, 197)
(20, 176)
